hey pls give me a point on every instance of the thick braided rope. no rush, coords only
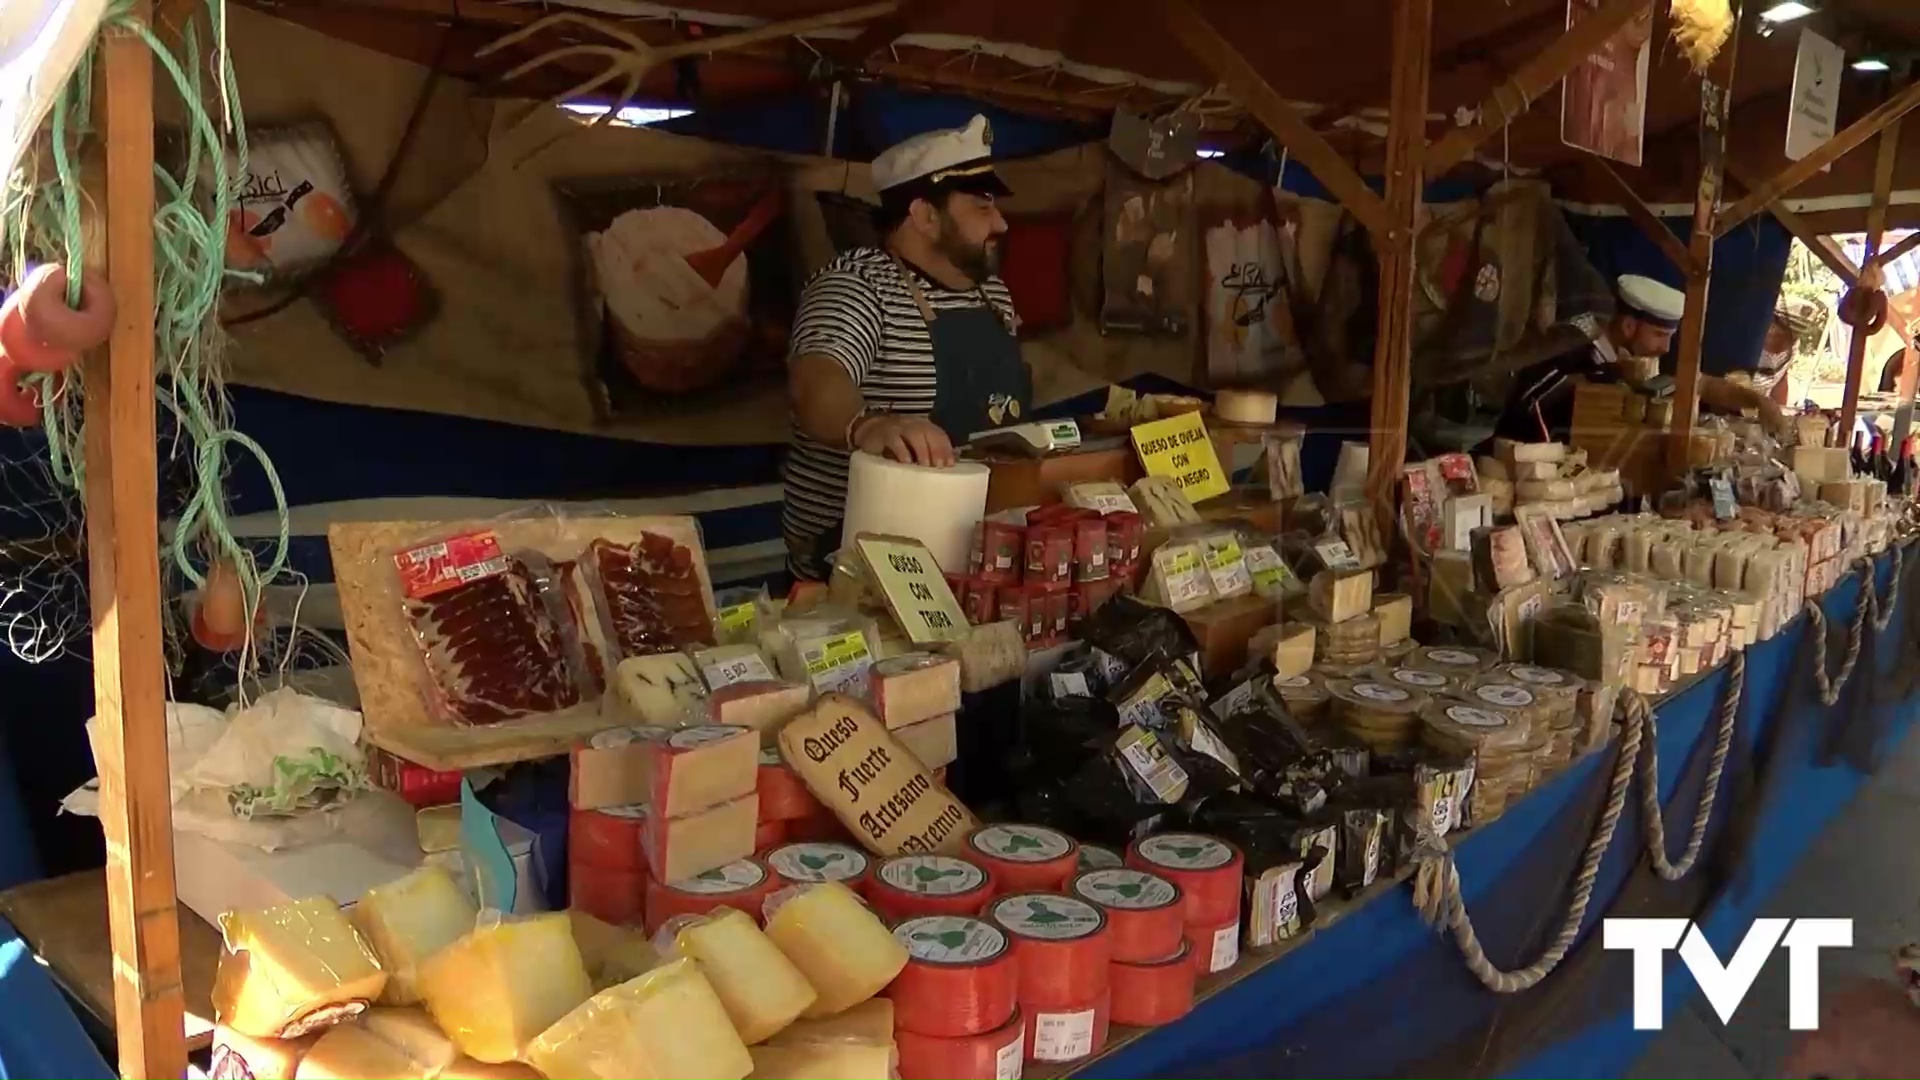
(1656, 825)
(1882, 612)
(1831, 686)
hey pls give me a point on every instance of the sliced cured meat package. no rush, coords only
(583, 605)
(651, 595)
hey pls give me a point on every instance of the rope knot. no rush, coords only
(1435, 881)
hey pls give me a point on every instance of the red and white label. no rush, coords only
(434, 568)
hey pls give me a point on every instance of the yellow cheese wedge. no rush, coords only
(407, 921)
(412, 1032)
(495, 989)
(468, 1069)
(842, 948)
(869, 1021)
(290, 969)
(350, 1052)
(760, 988)
(613, 954)
(700, 767)
(915, 686)
(824, 1061)
(665, 1025)
(680, 848)
(235, 1054)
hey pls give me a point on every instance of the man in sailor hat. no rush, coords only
(908, 348)
(1540, 406)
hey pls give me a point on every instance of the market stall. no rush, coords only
(1236, 724)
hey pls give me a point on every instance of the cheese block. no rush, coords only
(665, 1025)
(853, 764)
(762, 706)
(725, 665)
(235, 1054)
(700, 767)
(869, 1021)
(1293, 653)
(350, 1052)
(1339, 595)
(679, 848)
(437, 827)
(1395, 612)
(614, 768)
(1246, 406)
(912, 687)
(758, 986)
(495, 989)
(1162, 503)
(468, 1069)
(1512, 452)
(837, 942)
(292, 969)
(934, 743)
(611, 954)
(664, 690)
(824, 1061)
(414, 1034)
(408, 920)
(1524, 471)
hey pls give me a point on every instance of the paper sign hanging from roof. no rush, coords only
(41, 42)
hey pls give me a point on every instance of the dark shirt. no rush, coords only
(1540, 406)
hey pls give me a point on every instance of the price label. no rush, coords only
(737, 669)
(1184, 573)
(1271, 577)
(737, 620)
(1069, 684)
(838, 663)
(910, 581)
(1149, 761)
(1336, 555)
(1724, 507)
(1178, 449)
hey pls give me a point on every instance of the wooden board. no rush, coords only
(64, 921)
(387, 667)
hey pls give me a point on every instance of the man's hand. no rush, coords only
(913, 439)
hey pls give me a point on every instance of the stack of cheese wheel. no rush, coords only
(1349, 643)
(1209, 872)
(1560, 692)
(1023, 858)
(1460, 661)
(1397, 652)
(1497, 743)
(814, 861)
(606, 872)
(1529, 713)
(786, 806)
(744, 884)
(1305, 695)
(1412, 678)
(1384, 716)
(1063, 948)
(1152, 975)
(908, 885)
(956, 1013)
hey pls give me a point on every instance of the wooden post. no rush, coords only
(1716, 97)
(1883, 168)
(1905, 246)
(123, 536)
(1393, 350)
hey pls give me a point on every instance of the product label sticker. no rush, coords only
(625, 736)
(705, 735)
(632, 811)
(1149, 761)
(1239, 698)
(1467, 714)
(1226, 947)
(1442, 816)
(1178, 449)
(1008, 1059)
(1142, 707)
(1095, 857)
(817, 862)
(1270, 574)
(1370, 868)
(1293, 682)
(933, 875)
(1226, 564)
(951, 939)
(1021, 843)
(838, 664)
(733, 877)
(1184, 573)
(1045, 915)
(1112, 669)
(1377, 692)
(737, 619)
(1061, 1036)
(1186, 851)
(1103, 495)
(1453, 656)
(1066, 684)
(1201, 737)
(434, 568)
(1538, 676)
(1286, 905)
(736, 669)
(1336, 555)
(1126, 888)
(1505, 695)
(1426, 680)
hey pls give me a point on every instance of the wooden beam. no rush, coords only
(1217, 55)
(1393, 346)
(1716, 105)
(1822, 247)
(1855, 135)
(1643, 217)
(123, 537)
(1535, 77)
(1883, 169)
(881, 32)
(1904, 247)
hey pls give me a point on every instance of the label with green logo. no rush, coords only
(1126, 888)
(1021, 843)
(1185, 851)
(1095, 857)
(733, 877)
(951, 939)
(1046, 915)
(933, 875)
(817, 862)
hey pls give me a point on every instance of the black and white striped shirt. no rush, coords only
(859, 311)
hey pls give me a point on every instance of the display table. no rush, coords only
(64, 921)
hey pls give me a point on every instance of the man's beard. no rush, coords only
(977, 261)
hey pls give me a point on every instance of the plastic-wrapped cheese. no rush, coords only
(869, 1021)
(612, 954)
(290, 969)
(665, 1025)
(824, 1061)
(351, 1052)
(664, 690)
(468, 1069)
(842, 948)
(495, 989)
(412, 1032)
(407, 921)
(760, 988)
(235, 1054)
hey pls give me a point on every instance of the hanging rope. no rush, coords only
(1831, 686)
(1882, 614)
(1437, 892)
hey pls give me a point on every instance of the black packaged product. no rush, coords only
(1276, 908)
(1393, 796)
(1131, 631)
(1363, 840)
(1075, 676)
(1319, 833)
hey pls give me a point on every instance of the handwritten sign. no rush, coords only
(1178, 449)
(909, 580)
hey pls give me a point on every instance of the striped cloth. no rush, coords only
(859, 312)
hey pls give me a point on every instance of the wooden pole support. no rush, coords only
(1856, 134)
(1904, 247)
(1393, 349)
(1883, 168)
(1642, 216)
(1822, 247)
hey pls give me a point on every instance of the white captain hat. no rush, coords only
(1649, 300)
(954, 159)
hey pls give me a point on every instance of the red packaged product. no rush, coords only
(1059, 607)
(956, 584)
(1049, 554)
(1124, 531)
(418, 785)
(981, 602)
(1090, 549)
(1012, 604)
(1000, 546)
(1039, 612)
(1050, 514)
